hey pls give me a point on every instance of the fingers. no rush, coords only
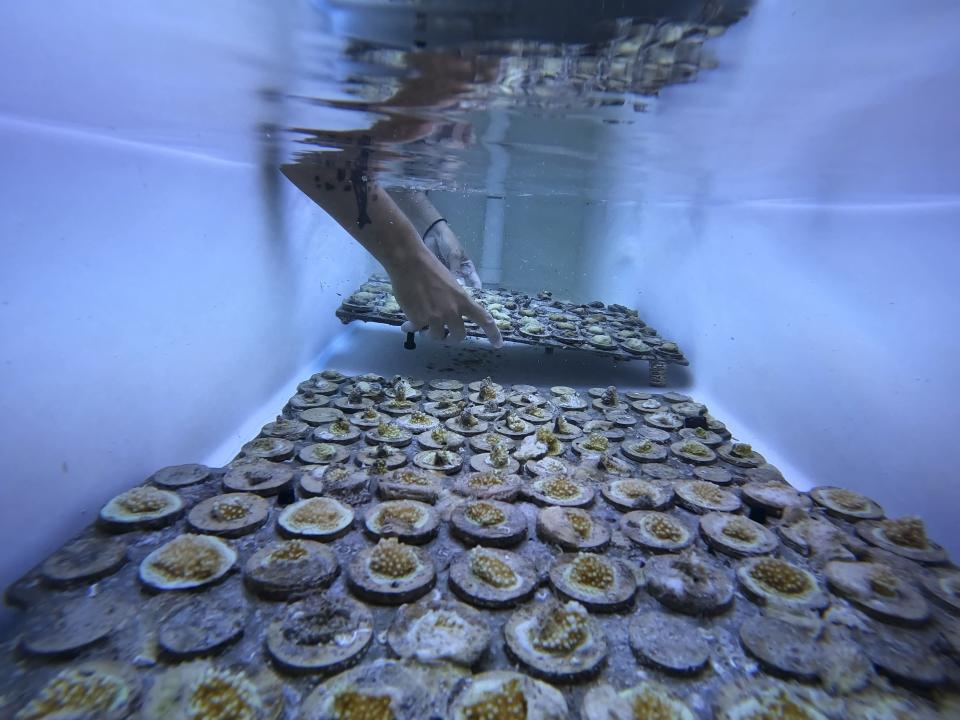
(469, 274)
(482, 318)
(437, 330)
(457, 331)
(410, 326)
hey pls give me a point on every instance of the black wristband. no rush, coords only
(432, 225)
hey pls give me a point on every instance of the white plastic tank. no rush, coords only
(790, 219)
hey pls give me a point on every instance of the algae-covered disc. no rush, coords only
(740, 454)
(572, 529)
(747, 699)
(323, 453)
(71, 626)
(669, 642)
(268, 448)
(290, 567)
(490, 462)
(440, 439)
(320, 634)
(388, 433)
(84, 560)
(447, 462)
(409, 521)
(781, 647)
(774, 581)
(629, 494)
(716, 475)
(879, 591)
(656, 531)
(492, 578)
(497, 693)
(556, 641)
(599, 583)
(339, 432)
(488, 522)
(229, 515)
(689, 583)
(558, 490)
(391, 573)
(201, 626)
(905, 537)
(101, 690)
(943, 587)
(846, 504)
(736, 535)
(693, 451)
(407, 484)
(258, 476)
(202, 689)
(188, 561)
(176, 476)
(489, 486)
(436, 629)
(285, 428)
(905, 658)
(773, 497)
(321, 416)
(307, 400)
(141, 508)
(700, 496)
(385, 689)
(646, 700)
(316, 518)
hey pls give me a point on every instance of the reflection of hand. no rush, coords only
(430, 297)
(444, 243)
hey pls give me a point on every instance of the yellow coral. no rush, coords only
(559, 487)
(491, 569)
(485, 514)
(592, 571)
(223, 695)
(906, 532)
(290, 551)
(562, 631)
(85, 692)
(597, 441)
(391, 559)
(580, 522)
(663, 529)
(187, 558)
(319, 512)
(352, 705)
(405, 515)
(142, 500)
(780, 577)
(508, 703)
(740, 529)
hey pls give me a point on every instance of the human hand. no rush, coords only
(430, 297)
(445, 244)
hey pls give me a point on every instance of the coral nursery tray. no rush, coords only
(613, 331)
(427, 548)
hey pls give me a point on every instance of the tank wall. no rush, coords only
(158, 285)
(796, 232)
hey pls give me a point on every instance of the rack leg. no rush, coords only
(658, 373)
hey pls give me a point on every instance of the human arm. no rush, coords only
(437, 234)
(423, 287)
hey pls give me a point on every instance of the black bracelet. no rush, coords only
(432, 225)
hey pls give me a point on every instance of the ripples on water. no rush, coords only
(439, 88)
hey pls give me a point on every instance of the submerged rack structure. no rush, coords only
(409, 549)
(612, 331)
